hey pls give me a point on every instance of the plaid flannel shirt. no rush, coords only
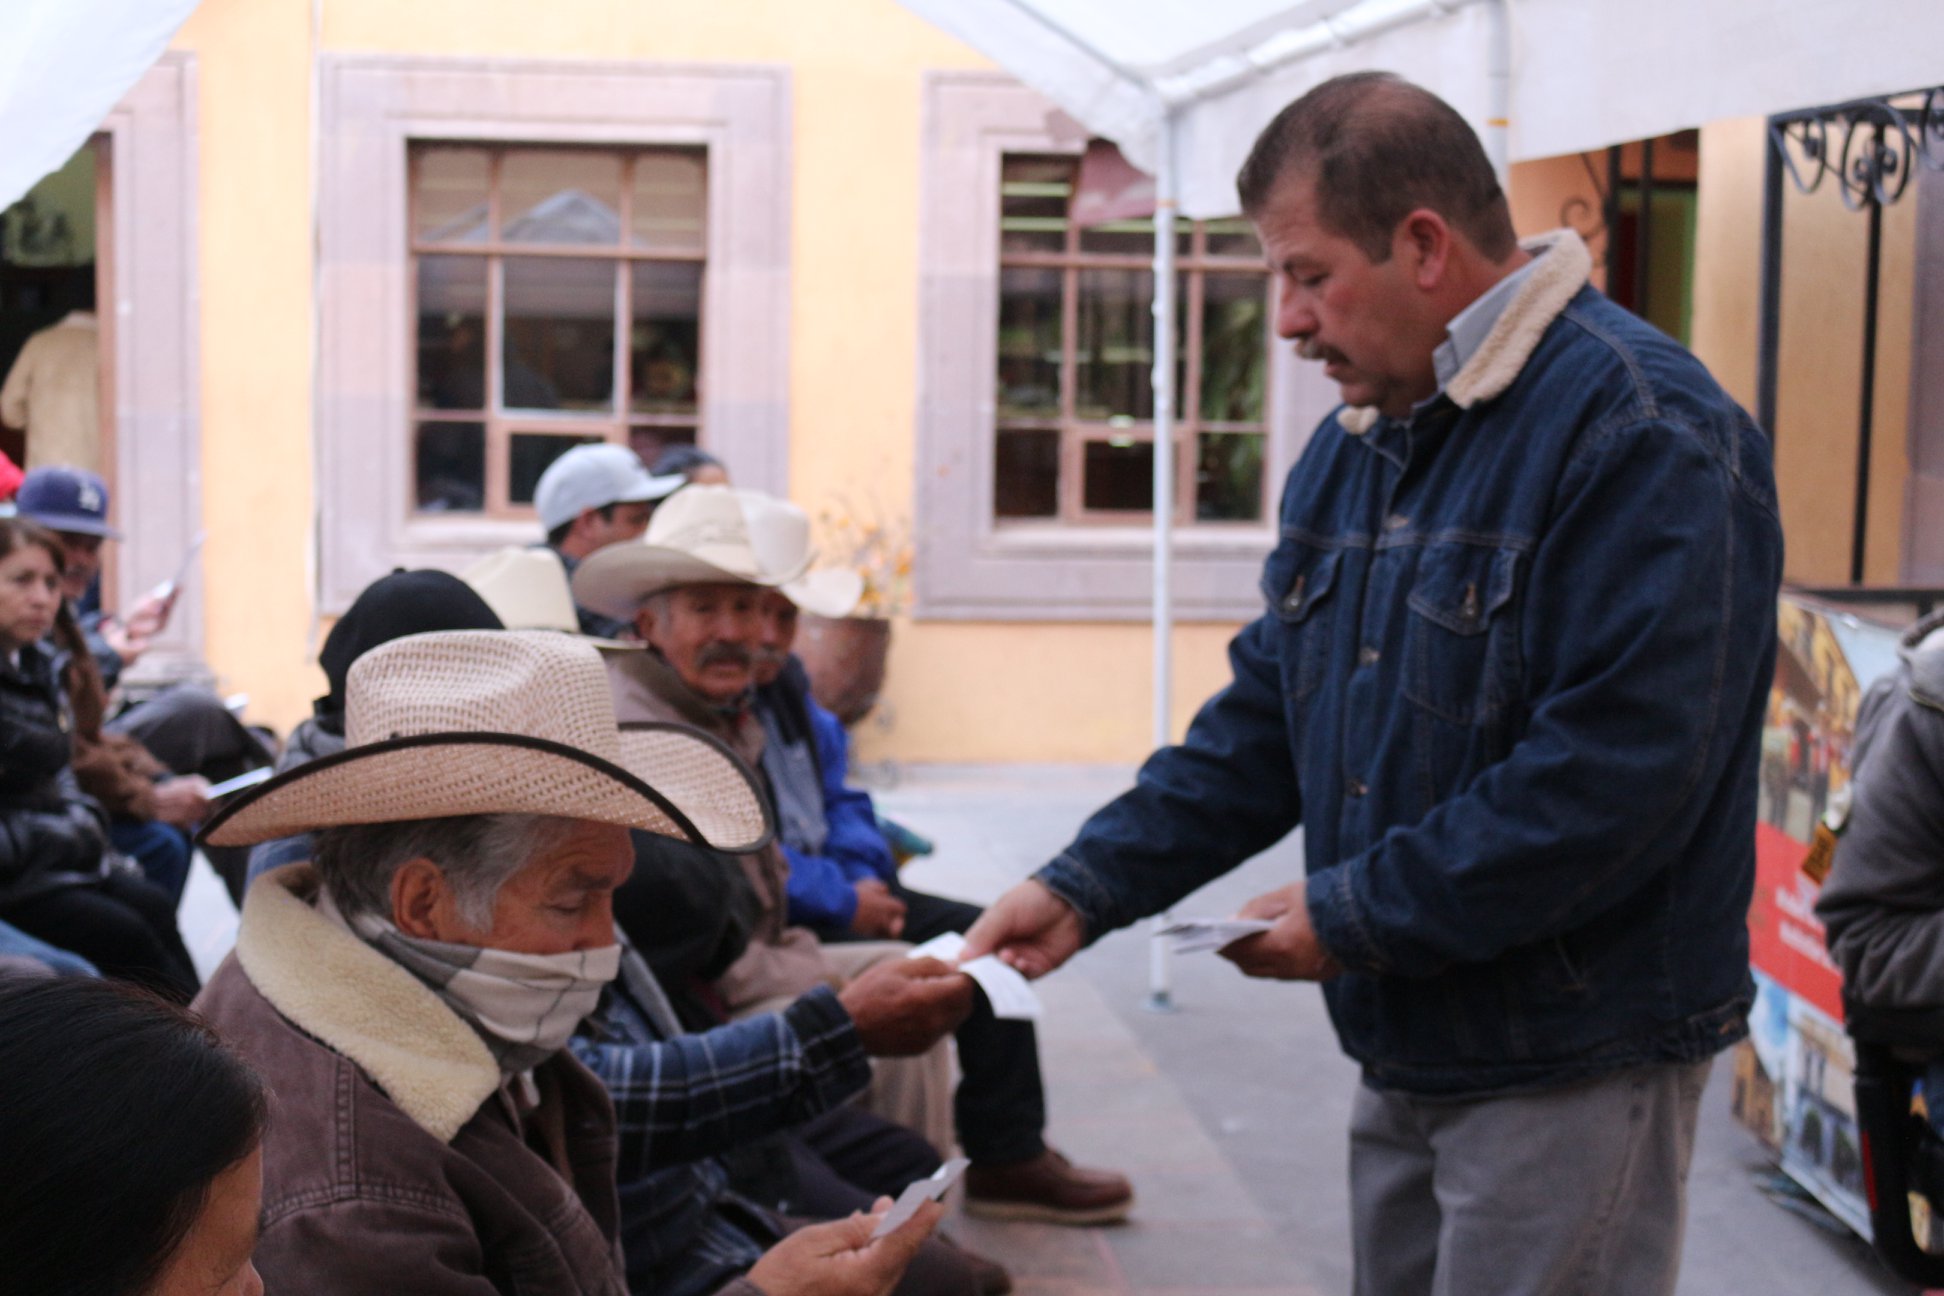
(679, 1100)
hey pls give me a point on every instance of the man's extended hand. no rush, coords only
(902, 1007)
(182, 802)
(880, 915)
(1289, 951)
(1030, 928)
(840, 1258)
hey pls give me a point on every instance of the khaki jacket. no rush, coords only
(394, 1160)
(782, 961)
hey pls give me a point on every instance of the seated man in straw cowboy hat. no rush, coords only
(407, 997)
(693, 586)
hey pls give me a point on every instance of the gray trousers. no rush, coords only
(1576, 1191)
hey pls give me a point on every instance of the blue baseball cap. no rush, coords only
(66, 499)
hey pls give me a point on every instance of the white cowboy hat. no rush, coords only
(474, 722)
(703, 535)
(829, 592)
(526, 588)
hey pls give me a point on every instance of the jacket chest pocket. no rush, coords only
(1299, 585)
(1463, 653)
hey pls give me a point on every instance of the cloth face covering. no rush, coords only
(525, 1006)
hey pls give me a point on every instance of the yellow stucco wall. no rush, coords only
(984, 692)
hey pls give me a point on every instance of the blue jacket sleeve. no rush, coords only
(698, 1095)
(854, 841)
(1196, 810)
(820, 895)
(1649, 624)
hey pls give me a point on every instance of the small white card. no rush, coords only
(917, 1193)
(261, 774)
(1009, 993)
(1195, 935)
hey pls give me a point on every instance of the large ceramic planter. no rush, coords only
(845, 658)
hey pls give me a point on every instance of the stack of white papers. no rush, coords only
(1011, 997)
(1194, 935)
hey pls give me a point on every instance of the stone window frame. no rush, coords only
(372, 108)
(151, 333)
(966, 567)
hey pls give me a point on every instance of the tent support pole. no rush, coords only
(1498, 90)
(1166, 189)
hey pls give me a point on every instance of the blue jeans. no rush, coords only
(15, 943)
(162, 851)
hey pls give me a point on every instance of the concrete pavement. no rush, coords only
(1230, 1112)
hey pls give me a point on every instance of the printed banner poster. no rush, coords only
(1793, 1077)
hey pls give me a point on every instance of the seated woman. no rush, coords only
(131, 1144)
(58, 879)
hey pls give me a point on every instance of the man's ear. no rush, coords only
(1426, 239)
(644, 622)
(420, 899)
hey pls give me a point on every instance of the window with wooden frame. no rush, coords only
(557, 293)
(1073, 440)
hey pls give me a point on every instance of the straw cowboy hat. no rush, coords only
(472, 722)
(706, 535)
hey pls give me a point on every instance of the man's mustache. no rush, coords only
(1310, 349)
(733, 653)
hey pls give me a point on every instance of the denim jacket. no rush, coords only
(1510, 681)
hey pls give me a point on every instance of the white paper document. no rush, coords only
(1009, 993)
(1194, 935)
(917, 1193)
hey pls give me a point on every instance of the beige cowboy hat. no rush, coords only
(526, 588)
(706, 535)
(471, 722)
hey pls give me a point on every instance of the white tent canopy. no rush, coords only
(64, 64)
(1582, 74)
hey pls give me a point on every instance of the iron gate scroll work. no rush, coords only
(1870, 150)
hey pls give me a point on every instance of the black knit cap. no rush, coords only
(391, 607)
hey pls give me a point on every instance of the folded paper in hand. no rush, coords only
(1007, 991)
(1193, 935)
(917, 1193)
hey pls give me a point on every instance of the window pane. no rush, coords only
(1228, 477)
(664, 340)
(1033, 197)
(1114, 352)
(450, 194)
(559, 350)
(452, 332)
(649, 442)
(560, 196)
(450, 467)
(1131, 238)
(528, 454)
(670, 199)
(1026, 474)
(1029, 342)
(1118, 476)
(1235, 350)
(1232, 237)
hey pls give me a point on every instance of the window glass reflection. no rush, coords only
(1117, 476)
(665, 336)
(559, 351)
(560, 196)
(670, 200)
(452, 332)
(450, 467)
(1228, 477)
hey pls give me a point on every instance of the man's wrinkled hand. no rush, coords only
(880, 915)
(1028, 927)
(1289, 951)
(841, 1258)
(902, 1007)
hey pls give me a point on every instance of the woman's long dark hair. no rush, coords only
(117, 1110)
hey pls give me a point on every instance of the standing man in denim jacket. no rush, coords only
(1510, 682)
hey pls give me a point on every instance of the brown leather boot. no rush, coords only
(1049, 1188)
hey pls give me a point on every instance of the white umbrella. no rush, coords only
(64, 64)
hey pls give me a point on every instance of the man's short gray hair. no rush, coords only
(477, 854)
